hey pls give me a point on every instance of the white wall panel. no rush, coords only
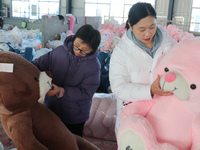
(181, 14)
(78, 7)
(63, 7)
(7, 2)
(162, 11)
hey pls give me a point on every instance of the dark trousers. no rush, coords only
(76, 128)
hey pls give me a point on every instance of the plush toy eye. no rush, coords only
(36, 79)
(193, 86)
(166, 69)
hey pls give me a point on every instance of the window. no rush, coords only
(195, 17)
(34, 9)
(111, 9)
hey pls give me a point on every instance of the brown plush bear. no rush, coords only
(29, 124)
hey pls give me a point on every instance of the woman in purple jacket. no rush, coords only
(76, 77)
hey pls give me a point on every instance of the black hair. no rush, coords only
(139, 11)
(89, 35)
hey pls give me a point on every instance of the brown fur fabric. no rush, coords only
(29, 124)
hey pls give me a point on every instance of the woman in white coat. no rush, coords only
(134, 58)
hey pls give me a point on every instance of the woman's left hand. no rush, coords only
(155, 88)
(55, 90)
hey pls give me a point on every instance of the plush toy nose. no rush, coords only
(170, 77)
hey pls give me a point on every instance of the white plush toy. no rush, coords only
(45, 85)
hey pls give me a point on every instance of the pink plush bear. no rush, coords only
(167, 122)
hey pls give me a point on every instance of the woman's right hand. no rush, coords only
(55, 90)
(155, 88)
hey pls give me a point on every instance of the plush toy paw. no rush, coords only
(131, 140)
(135, 133)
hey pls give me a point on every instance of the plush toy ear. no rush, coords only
(49, 74)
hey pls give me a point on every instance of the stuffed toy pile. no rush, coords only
(177, 34)
(167, 122)
(28, 53)
(29, 124)
(111, 33)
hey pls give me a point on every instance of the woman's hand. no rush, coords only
(155, 88)
(55, 90)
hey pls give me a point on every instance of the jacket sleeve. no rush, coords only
(86, 89)
(120, 79)
(43, 62)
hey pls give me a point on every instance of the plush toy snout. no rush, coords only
(45, 85)
(174, 82)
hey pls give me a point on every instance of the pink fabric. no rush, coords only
(85, 20)
(103, 144)
(101, 123)
(174, 121)
(170, 77)
(177, 34)
(49, 16)
(71, 21)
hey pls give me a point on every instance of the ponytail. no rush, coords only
(127, 25)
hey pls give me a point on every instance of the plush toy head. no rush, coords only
(168, 122)
(5, 46)
(180, 71)
(16, 84)
(29, 124)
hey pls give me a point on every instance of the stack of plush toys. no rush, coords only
(111, 33)
(167, 122)
(28, 123)
(27, 54)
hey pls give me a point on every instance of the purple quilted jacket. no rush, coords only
(80, 78)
